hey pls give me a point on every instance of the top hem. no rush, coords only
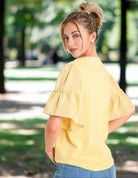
(99, 168)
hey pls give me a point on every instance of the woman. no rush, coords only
(86, 105)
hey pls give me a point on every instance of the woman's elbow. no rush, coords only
(54, 123)
(52, 128)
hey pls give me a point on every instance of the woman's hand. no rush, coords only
(51, 155)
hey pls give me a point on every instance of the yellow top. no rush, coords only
(87, 97)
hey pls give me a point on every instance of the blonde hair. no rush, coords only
(90, 15)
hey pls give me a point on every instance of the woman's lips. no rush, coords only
(72, 49)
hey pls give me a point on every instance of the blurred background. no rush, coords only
(31, 57)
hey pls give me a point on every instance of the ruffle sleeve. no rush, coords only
(119, 104)
(65, 100)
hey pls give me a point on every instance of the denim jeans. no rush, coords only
(70, 171)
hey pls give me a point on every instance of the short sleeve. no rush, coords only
(65, 100)
(119, 104)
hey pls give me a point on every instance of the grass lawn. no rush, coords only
(22, 147)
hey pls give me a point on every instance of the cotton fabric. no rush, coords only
(87, 97)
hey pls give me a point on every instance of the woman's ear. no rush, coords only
(93, 36)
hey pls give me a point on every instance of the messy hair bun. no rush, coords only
(94, 10)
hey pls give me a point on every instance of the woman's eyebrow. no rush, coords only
(71, 33)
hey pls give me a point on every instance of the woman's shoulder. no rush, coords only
(89, 63)
(86, 65)
(87, 60)
(70, 70)
(70, 66)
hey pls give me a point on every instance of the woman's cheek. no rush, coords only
(79, 42)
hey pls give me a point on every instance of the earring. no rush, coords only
(92, 41)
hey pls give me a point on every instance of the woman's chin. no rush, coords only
(75, 55)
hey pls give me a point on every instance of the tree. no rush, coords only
(125, 5)
(24, 15)
(2, 5)
(123, 45)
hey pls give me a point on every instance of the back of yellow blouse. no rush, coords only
(87, 97)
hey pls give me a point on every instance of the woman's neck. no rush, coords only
(91, 52)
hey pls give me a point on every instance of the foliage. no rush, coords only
(41, 20)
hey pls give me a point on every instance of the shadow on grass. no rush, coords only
(123, 143)
(9, 106)
(22, 146)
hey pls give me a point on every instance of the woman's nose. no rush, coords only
(70, 42)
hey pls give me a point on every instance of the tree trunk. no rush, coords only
(2, 6)
(21, 48)
(123, 46)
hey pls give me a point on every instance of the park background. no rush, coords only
(31, 57)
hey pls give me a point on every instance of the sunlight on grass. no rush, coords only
(129, 165)
(6, 142)
(132, 140)
(113, 141)
(23, 147)
(29, 86)
(25, 114)
(122, 130)
(32, 74)
(24, 132)
(29, 142)
(8, 126)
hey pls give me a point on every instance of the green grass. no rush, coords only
(32, 74)
(19, 146)
(123, 143)
(30, 79)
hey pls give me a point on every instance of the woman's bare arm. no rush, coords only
(114, 124)
(51, 131)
